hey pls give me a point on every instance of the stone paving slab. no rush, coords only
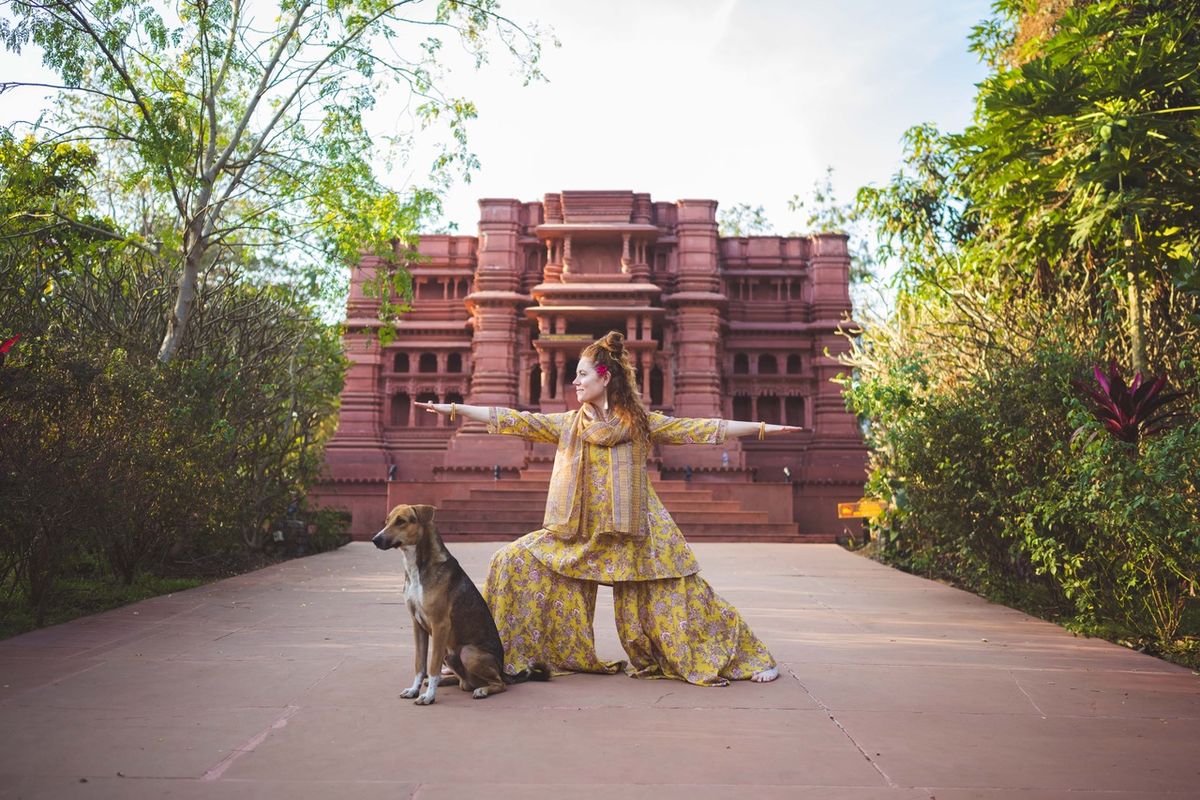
(284, 683)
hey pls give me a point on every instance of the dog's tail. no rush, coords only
(537, 671)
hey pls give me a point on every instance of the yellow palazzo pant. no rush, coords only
(670, 628)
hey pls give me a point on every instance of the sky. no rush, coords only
(741, 101)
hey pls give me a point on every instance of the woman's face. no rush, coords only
(590, 386)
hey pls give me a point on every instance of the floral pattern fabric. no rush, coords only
(542, 588)
(662, 553)
(541, 615)
(673, 628)
(680, 628)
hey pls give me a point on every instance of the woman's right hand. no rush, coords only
(435, 408)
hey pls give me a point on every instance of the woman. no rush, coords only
(604, 524)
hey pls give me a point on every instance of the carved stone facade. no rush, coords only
(744, 328)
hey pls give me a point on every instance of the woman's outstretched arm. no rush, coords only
(686, 430)
(525, 424)
(735, 428)
(477, 413)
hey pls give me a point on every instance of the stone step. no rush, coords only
(726, 536)
(502, 530)
(510, 508)
(542, 477)
(537, 506)
(448, 517)
(539, 494)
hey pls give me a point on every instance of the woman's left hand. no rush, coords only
(784, 429)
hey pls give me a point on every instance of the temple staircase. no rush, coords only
(511, 507)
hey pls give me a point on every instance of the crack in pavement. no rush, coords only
(828, 712)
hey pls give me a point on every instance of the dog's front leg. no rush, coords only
(421, 637)
(437, 655)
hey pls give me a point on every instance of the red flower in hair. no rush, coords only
(601, 370)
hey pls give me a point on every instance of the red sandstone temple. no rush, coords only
(736, 327)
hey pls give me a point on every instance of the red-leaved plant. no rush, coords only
(6, 346)
(1128, 412)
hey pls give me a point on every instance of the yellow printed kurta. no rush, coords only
(662, 553)
(542, 588)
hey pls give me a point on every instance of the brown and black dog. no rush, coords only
(447, 608)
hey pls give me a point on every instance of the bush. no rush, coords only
(988, 487)
(110, 458)
(1136, 558)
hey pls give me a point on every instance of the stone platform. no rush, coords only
(283, 683)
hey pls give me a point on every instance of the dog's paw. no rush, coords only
(480, 693)
(423, 700)
(410, 693)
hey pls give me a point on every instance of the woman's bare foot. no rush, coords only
(766, 676)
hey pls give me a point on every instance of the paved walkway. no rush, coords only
(284, 682)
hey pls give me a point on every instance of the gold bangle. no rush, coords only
(762, 431)
(452, 412)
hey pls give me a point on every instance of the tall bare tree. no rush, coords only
(240, 126)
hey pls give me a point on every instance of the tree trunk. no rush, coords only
(178, 321)
(1137, 324)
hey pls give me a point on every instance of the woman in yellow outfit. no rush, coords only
(604, 524)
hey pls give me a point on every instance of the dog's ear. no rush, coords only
(424, 514)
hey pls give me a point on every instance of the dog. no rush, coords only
(447, 608)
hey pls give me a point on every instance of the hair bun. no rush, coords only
(614, 343)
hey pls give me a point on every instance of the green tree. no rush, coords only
(1054, 233)
(743, 219)
(241, 129)
(824, 213)
(103, 455)
(1080, 168)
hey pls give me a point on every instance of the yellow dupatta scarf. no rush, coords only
(623, 505)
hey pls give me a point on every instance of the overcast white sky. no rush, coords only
(734, 100)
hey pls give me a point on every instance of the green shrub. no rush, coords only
(1005, 483)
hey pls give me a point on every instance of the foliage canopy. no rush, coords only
(1055, 233)
(232, 135)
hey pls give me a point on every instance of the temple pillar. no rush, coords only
(829, 262)
(644, 362)
(553, 400)
(544, 366)
(495, 307)
(640, 270)
(560, 380)
(837, 451)
(698, 305)
(356, 457)
(356, 450)
(552, 272)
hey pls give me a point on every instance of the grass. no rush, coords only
(80, 596)
(86, 587)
